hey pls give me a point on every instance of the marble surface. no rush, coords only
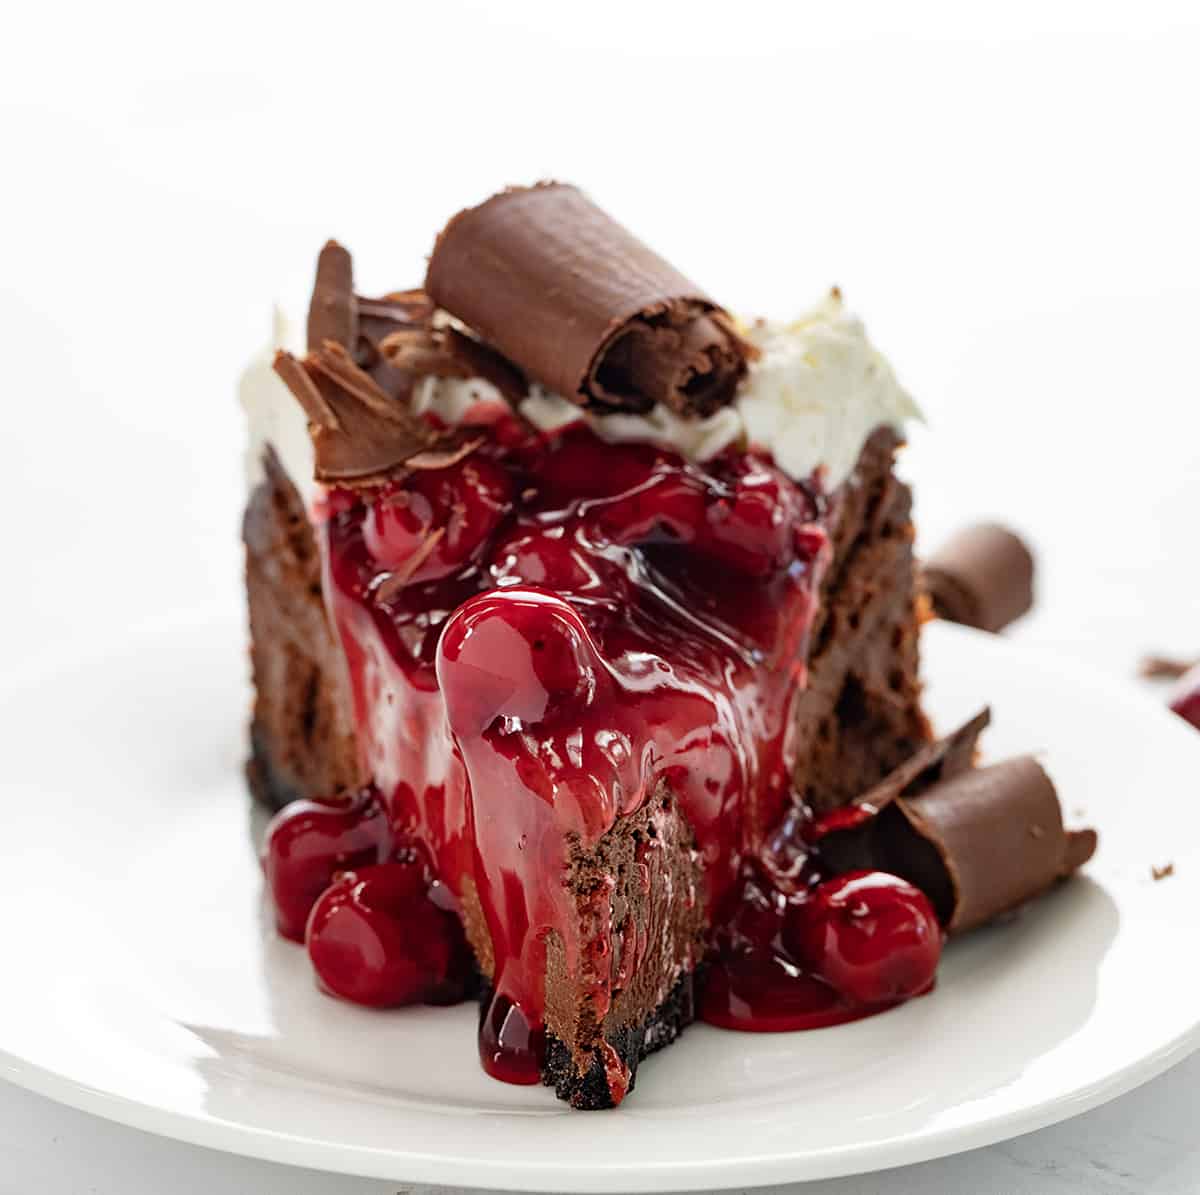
(1009, 199)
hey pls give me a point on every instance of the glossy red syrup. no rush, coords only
(585, 621)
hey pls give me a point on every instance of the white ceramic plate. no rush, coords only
(141, 982)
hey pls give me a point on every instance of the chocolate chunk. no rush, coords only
(333, 311)
(361, 434)
(983, 843)
(582, 306)
(982, 577)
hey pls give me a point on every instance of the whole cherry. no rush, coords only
(871, 936)
(378, 937)
(432, 522)
(309, 841)
(521, 654)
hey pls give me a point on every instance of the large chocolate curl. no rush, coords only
(582, 306)
(979, 842)
(983, 843)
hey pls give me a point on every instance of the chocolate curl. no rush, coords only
(941, 760)
(849, 835)
(361, 434)
(983, 843)
(584, 307)
(981, 577)
(333, 310)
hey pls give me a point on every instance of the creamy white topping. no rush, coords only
(449, 399)
(273, 416)
(815, 394)
(818, 391)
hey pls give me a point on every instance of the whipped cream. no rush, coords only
(814, 396)
(273, 416)
(818, 390)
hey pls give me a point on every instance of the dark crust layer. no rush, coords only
(589, 1091)
(301, 736)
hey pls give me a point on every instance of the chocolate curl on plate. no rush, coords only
(983, 843)
(981, 577)
(584, 307)
(849, 835)
(978, 842)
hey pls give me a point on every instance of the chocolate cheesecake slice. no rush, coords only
(616, 602)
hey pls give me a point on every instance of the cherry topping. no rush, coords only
(510, 1049)
(518, 654)
(1185, 701)
(379, 937)
(871, 936)
(309, 841)
(765, 992)
(462, 505)
(541, 557)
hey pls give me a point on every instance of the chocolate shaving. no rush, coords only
(1162, 873)
(333, 311)
(983, 843)
(392, 583)
(982, 577)
(305, 391)
(1165, 667)
(582, 306)
(361, 435)
(335, 363)
(941, 760)
(404, 308)
(442, 457)
(449, 353)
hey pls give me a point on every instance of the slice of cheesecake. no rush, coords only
(623, 597)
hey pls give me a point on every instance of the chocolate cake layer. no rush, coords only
(301, 733)
(860, 714)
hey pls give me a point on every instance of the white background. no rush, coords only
(1010, 199)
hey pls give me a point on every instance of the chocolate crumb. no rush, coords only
(1164, 667)
(1161, 873)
